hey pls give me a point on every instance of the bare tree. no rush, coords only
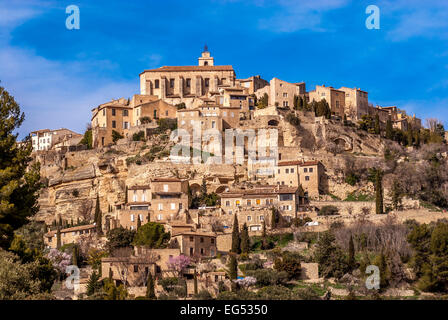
(432, 123)
(122, 262)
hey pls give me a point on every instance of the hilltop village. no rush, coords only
(118, 203)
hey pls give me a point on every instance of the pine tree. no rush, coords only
(389, 130)
(235, 236)
(150, 292)
(98, 216)
(245, 240)
(379, 208)
(20, 182)
(351, 254)
(233, 267)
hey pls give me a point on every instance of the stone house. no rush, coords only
(244, 201)
(196, 244)
(356, 103)
(252, 84)
(46, 139)
(297, 172)
(334, 97)
(281, 93)
(68, 235)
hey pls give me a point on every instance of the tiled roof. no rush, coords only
(259, 191)
(166, 180)
(139, 187)
(190, 68)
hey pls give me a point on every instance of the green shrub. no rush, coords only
(328, 211)
(138, 136)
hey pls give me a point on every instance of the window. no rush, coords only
(114, 124)
(166, 113)
(104, 112)
(125, 125)
(311, 169)
(156, 84)
(159, 217)
(202, 251)
(212, 241)
(285, 95)
(144, 196)
(285, 103)
(134, 198)
(165, 188)
(191, 239)
(135, 268)
(286, 170)
(292, 170)
(160, 206)
(225, 113)
(278, 170)
(261, 218)
(227, 203)
(173, 206)
(207, 82)
(113, 112)
(232, 114)
(249, 218)
(305, 169)
(213, 124)
(132, 218)
(188, 83)
(202, 240)
(125, 113)
(171, 83)
(248, 202)
(307, 178)
(140, 216)
(180, 206)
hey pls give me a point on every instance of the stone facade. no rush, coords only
(334, 97)
(356, 102)
(196, 244)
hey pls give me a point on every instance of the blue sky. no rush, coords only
(58, 75)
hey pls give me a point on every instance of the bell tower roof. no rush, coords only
(205, 59)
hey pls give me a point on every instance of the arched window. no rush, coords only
(205, 63)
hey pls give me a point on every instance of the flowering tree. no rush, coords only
(246, 282)
(178, 263)
(59, 259)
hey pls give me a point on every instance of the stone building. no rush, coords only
(252, 84)
(308, 174)
(196, 243)
(46, 139)
(68, 235)
(281, 93)
(334, 97)
(176, 84)
(163, 200)
(237, 201)
(356, 103)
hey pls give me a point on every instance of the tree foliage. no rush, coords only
(152, 235)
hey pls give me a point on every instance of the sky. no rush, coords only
(58, 75)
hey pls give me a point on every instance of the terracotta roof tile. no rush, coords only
(190, 68)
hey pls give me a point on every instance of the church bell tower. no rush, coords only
(205, 59)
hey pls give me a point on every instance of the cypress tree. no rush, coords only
(98, 215)
(58, 238)
(245, 240)
(273, 218)
(75, 255)
(139, 222)
(377, 124)
(150, 292)
(126, 195)
(264, 244)
(351, 254)
(195, 278)
(78, 222)
(60, 221)
(233, 267)
(379, 208)
(236, 236)
(389, 130)
(409, 139)
(110, 274)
